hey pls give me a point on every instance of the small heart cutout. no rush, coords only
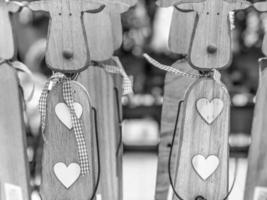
(64, 115)
(67, 175)
(210, 110)
(205, 167)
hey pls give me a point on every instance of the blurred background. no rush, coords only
(146, 30)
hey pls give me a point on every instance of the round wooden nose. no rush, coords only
(68, 54)
(212, 49)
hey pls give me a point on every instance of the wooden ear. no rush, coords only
(39, 5)
(260, 6)
(116, 6)
(239, 4)
(14, 6)
(92, 7)
(185, 7)
(168, 3)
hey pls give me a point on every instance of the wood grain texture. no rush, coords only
(100, 35)
(262, 7)
(7, 46)
(199, 138)
(257, 161)
(181, 31)
(118, 123)
(211, 44)
(67, 47)
(174, 91)
(100, 86)
(61, 146)
(168, 3)
(14, 163)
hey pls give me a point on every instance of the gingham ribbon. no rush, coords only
(127, 85)
(215, 74)
(169, 68)
(77, 127)
(76, 123)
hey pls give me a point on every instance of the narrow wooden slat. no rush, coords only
(14, 163)
(174, 91)
(100, 86)
(257, 161)
(61, 146)
(197, 137)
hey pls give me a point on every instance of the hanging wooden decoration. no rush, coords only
(203, 149)
(211, 44)
(14, 171)
(71, 168)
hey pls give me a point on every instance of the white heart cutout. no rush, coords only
(67, 175)
(210, 110)
(205, 167)
(64, 115)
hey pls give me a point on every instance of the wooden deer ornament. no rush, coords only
(14, 172)
(66, 53)
(211, 44)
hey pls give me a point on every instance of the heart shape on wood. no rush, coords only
(63, 113)
(67, 175)
(210, 110)
(205, 167)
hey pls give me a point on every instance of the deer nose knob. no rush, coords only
(212, 49)
(68, 54)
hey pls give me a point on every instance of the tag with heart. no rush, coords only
(67, 175)
(205, 167)
(209, 110)
(64, 115)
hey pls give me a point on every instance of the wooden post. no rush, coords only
(203, 126)
(174, 91)
(256, 182)
(106, 95)
(14, 172)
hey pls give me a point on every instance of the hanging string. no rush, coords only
(170, 156)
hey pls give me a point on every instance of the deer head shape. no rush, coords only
(67, 49)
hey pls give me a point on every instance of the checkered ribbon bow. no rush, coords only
(127, 85)
(76, 123)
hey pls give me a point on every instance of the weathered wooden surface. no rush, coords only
(7, 46)
(199, 138)
(174, 91)
(100, 86)
(211, 44)
(14, 162)
(60, 146)
(181, 31)
(257, 162)
(118, 123)
(262, 7)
